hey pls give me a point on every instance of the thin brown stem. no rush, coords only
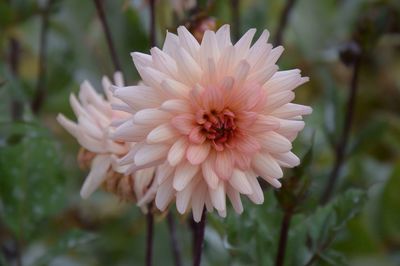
(199, 240)
(150, 237)
(152, 23)
(235, 10)
(40, 92)
(340, 150)
(285, 226)
(176, 249)
(284, 18)
(107, 32)
(13, 61)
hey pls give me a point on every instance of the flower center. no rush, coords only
(218, 127)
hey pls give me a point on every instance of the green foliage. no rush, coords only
(40, 207)
(389, 215)
(31, 177)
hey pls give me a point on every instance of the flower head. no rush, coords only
(212, 117)
(99, 152)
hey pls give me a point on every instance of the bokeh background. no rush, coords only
(43, 220)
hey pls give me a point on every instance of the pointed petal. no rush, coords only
(97, 175)
(162, 133)
(265, 165)
(184, 173)
(239, 182)
(209, 173)
(197, 153)
(150, 153)
(177, 151)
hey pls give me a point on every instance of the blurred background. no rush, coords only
(348, 48)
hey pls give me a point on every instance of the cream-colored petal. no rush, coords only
(97, 175)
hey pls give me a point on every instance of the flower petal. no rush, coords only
(239, 182)
(183, 175)
(150, 153)
(177, 151)
(265, 165)
(97, 175)
(197, 153)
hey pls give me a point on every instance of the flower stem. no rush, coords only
(16, 107)
(280, 257)
(235, 19)
(40, 92)
(152, 23)
(106, 29)
(149, 242)
(283, 21)
(199, 239)
(342, 143)
(176, 250)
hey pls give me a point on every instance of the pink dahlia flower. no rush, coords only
(212, 117)
(100, 153)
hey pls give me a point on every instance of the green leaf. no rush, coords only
(31, 186)
(327, 221)
(389, 208)
(70, 240)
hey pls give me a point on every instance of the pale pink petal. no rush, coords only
(176, 106)
(196, 135)
(97, 175)
(128, 131)
(226, 61)
(151, 116)
(243, 45)
(288, 127)
(264, 124)
(257, 196)
(171, 43)
(184, 123)
(290, 110)
(70, 126)
(239, 182)
(198, 201)
(188, 42)
(165, 194)
(275, 54)
(265, 165)
(163, 62)
(263, 75)
(277, 100)
(177, 151)
(141, 60)
(152, 77)
(184, 196)
(274, 142)
(209, 48)
(242, 160)
(163, 172)
(162, 133)
(287, 159)
(175, 89)
(188, 67)
(247, 144)
(139, 97)
(184, 173)
(217, 196)
(150, 153)
(224, 164)
(234, 197)
(209, 173)
(197, 153)
(223, 37)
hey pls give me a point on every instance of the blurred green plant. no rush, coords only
(43, 221)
